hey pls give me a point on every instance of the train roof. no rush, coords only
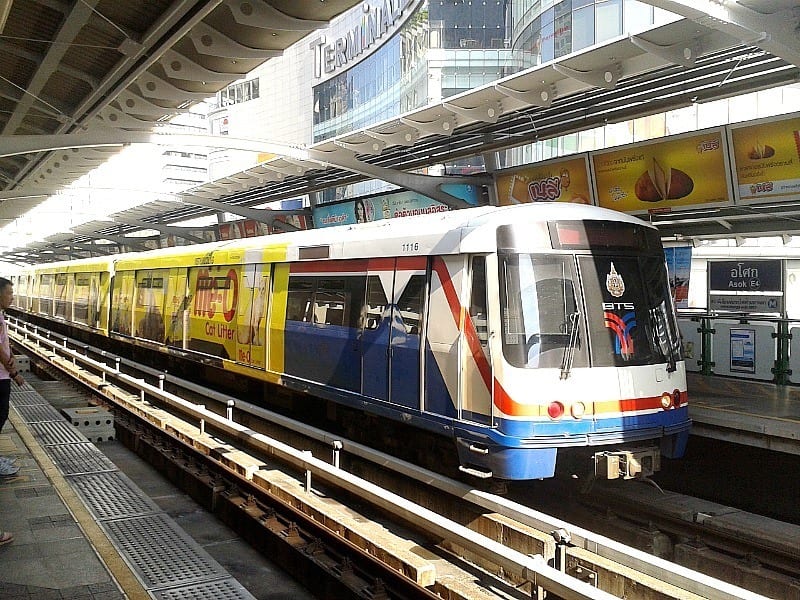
(467, 230)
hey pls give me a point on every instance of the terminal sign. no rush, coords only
(376, 22)
(745, 276)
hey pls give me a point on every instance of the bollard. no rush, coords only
(116, 364)
(563, 539)
(337, 446)
(229, 411)
(308, 472)
(141, 395)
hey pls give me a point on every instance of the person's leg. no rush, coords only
(6, 464)
(5, 398)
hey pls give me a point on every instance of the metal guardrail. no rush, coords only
(781, 370)
(532, 568)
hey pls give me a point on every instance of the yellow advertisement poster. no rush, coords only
(660, 175)
(563, 180)
(767, 159)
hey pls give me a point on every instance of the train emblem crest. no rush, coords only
(614, 283)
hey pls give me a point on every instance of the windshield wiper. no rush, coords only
(569, 349)
(663, 340)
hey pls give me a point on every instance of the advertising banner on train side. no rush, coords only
(766, 159)
(560, 180)
(683, 171)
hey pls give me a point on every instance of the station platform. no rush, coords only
(750, 413)
(84, 528)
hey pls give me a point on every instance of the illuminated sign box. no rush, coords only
(766, 159)
(681, 171)
(560, 180)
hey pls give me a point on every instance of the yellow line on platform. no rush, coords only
(131, 586)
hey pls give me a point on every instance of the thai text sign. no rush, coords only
(683, 171)
(564, 180)
(745, 276)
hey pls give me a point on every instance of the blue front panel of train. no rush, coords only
(328, 354)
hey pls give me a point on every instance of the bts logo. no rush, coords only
(622, 327)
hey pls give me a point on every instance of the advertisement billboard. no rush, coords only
(655, 176)
(389, 206)
(561, 180)
(766, 157)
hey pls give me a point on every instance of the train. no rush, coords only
(525, 334)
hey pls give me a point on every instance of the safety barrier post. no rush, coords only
(781, 369)
(706, 330)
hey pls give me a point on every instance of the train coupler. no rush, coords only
(628, 464)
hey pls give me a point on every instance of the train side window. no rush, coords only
(298, 301)
(375, 304)
(477, 306)
(410, 304)
(61, 295)
(330, 302)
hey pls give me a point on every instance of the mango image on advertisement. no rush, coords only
(767, 159)
(556, 181)
(685, 171)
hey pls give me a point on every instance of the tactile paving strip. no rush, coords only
(112, 496)
(73, 459)
(162, 553)
(52, 432)
(211, 590)
(38, 413)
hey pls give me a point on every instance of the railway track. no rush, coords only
(444, 537)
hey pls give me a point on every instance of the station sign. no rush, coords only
(745, 276)
(746, 286)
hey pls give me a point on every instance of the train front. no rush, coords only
(588, 365)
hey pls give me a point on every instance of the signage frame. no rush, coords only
(732, 130)
(667, 205)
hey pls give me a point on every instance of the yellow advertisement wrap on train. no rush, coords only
(226, 312)
(564, 180)
(767, 159)
(684, 171)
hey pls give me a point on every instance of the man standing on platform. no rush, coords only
(8, 371)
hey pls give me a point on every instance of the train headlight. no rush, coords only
(555, 410)
(578, 409)
(666, 400)
(676, 398)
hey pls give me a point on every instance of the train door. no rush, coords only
(476, 371)
(375, 329)
(251, 313)
(410, 286)
(175, 306)
(391, 330)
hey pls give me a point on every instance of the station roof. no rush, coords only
(716, 50)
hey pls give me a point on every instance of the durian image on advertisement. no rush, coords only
(659, 175)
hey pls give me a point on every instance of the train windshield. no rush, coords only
(539, 304)
(629, 310)
(563, 311)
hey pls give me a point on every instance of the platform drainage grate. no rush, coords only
(38, 413)
(112, 496)
(73, 459)
(54, 432)
(162, 553)
(211, 590)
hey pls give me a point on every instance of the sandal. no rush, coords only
(6, 538)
